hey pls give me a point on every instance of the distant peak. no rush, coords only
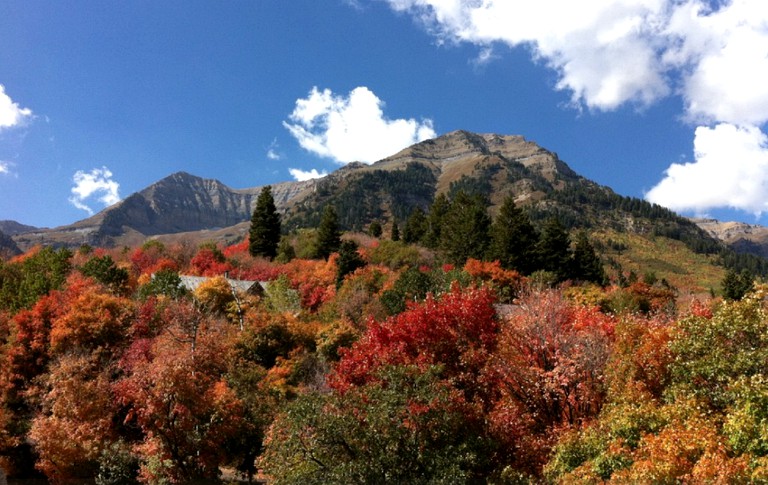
(185, 178)
(182, 175)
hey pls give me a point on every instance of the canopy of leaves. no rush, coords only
(405, 426)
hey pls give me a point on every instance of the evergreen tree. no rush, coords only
(416, 226)
(736, 285)
(465, 228)
(514, 239)
(375, 229)
(395, 232)
(264, 234)
(437, 212)
(586, 265)
(349, 261)
(553, 250)
(328, 233)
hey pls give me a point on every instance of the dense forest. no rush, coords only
(470, 350)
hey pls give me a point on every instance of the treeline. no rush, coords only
(461, 229)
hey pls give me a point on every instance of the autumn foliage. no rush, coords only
(397, 369)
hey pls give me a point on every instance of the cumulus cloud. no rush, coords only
(10, 113)
(722, 54)
(94, 185)
(704, 184)
(611, 52)
(604, 50)
(353, 127)
(302, 175)
(5, 167)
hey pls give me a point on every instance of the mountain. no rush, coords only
(11, 228)
(493, 166)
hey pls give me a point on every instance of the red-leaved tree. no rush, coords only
(550, 363)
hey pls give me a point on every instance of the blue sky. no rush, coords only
(657, 99)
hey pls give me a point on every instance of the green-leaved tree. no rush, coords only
(416, 226)
(586, 264)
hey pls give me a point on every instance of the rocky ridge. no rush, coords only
(742, 237)
(178, 203)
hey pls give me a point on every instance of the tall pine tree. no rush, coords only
(435, 221)
(264, 234)
(416, 226)
(465, 228)
(514, 239)
(349, 260)
(553, 250)
(395, 234)
(586, 263)
(328, 233)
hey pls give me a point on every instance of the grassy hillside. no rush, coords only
(660, 258)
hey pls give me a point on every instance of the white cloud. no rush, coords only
(272, 151)
(96, 184)
(723, 56)
(5, 167)
(10, 113)
(352, 128)
(302, 175)
(607, 53)
(603, 50)
(731, 170)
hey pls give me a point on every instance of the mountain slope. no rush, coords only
(490, 164)
(494, 166)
